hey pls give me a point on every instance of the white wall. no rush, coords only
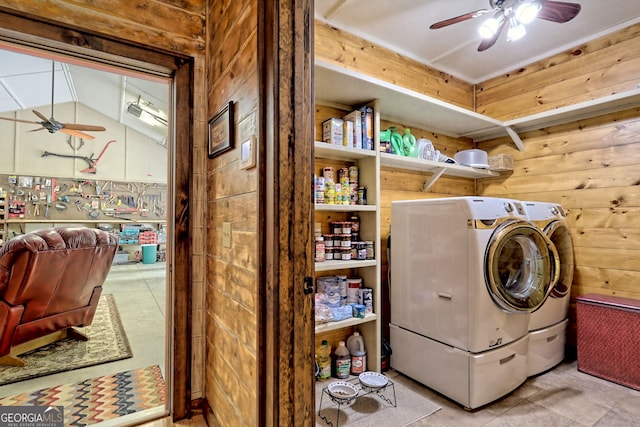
(132, 157)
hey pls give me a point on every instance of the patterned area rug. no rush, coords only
(107, 342)
(100, 399)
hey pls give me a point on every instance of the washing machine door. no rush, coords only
(558, 233)
(521, 266)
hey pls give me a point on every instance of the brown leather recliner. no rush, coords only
(50, 281)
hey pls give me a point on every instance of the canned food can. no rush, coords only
(328, 253)
(343, 173)
(353, 174)
(328, 241)
(366, 299)
(370, 249)
(362, 195)
(328, 174)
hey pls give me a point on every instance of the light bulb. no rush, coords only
(527, 11)
(489, 27)
(516, 31)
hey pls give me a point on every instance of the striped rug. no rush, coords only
(96, 400)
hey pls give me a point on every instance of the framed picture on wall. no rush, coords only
(221, 131)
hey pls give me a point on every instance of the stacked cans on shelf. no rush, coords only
(340, 190)
(343, 244)
(339, 297)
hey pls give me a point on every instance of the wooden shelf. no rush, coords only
(345, 208)
(353, 321)
(338, 265)
(339, 87)
(582, 110)
(420, 165)
(340, 152)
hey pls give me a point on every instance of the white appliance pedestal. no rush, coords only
(471, 379)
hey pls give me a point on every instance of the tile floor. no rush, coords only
(139, 290)
(561, 397)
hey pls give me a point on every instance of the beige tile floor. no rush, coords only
(562, 396)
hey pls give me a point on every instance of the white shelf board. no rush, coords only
(583, 110)
(338, 265)
(340, 152)
(331, 326)
(345, 208)
(393, 160)
(338, 86)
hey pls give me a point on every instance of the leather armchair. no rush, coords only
(50, 281)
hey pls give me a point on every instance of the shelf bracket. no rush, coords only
(436, 175)
(516, 139)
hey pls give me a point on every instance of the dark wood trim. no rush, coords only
(286, 393)
(82, 45)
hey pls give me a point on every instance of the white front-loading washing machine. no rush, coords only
(466, 273)
(548, 324)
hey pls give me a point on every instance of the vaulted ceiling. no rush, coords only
(27, 83)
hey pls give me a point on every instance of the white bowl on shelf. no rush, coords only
(474, 158)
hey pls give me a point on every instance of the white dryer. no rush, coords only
(548, 324)
(466, 273)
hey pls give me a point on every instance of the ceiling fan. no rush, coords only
(515, 13)
(52, 125)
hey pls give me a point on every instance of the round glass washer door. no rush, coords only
(521, 266)
(559, 234)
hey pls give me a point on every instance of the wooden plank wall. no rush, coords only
(231, 316)
(595, 69)
(160, 25)
(341, 48)
(589, 166)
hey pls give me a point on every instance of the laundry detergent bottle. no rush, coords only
(323, 353)
(342, 361)
(355, 344)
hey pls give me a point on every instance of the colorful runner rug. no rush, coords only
(96, 400)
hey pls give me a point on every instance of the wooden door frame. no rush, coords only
(79, 43)
(286, 324)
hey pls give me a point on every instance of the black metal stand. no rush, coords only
(362, 391)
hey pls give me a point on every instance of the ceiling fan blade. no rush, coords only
(487, 43)
(558, 11)
(460, 18)
(73, 126)
(21, 121)
(79, 134)
(42, 116)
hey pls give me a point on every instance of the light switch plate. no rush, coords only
(226, 234)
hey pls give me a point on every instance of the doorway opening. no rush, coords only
(119, 180)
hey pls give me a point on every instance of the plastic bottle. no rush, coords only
(324, 360)
(409, 144)
(355, 344)
(342, 361)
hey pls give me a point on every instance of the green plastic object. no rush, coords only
(409, 144)
(396, 141)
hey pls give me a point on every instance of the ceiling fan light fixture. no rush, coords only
(516, 30)
(527, 11)
(490, 27)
